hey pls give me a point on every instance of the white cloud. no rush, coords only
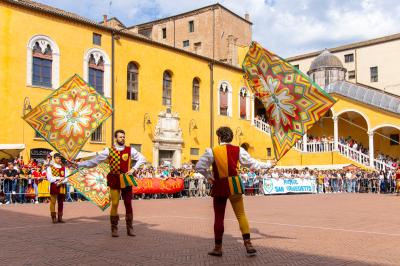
(286, 27)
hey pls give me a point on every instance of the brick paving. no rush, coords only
(333, 229)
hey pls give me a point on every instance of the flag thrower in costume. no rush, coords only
(67, 118)
(293, 102)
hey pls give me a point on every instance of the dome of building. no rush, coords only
(325, 60)
(326, 68)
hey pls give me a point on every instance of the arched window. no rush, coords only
(196, 94)
(133, 88)
(43, 62)
(97, 70)
(96, 73)
(242, 100)
(223, 98)
(167, 85)
(41, 65)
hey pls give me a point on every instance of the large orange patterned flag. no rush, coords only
(92, 184)
(68, 116)
(292, 101)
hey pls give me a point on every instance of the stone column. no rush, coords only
(371, 148)
(177, 158)
(305, 142)
(336, 132)
(155, 155)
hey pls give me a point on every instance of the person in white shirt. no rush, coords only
(227, 184)
(57, 176)
(120, 179)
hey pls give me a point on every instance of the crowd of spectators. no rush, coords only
(23, 183)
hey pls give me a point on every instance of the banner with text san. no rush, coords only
(284, 186)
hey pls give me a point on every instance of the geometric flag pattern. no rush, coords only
(92, 183)
(292, 101)
(67, 117)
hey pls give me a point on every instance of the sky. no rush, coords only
(286, 27)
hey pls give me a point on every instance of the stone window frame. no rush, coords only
(97, 54)
(196, 96)
(229, 88)
(96, 39)
(348, 58)
(133, 86)
(247, 92)
(166, 89)
(191, 26)
(43, 41)
(374, 73)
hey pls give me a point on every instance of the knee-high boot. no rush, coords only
(114, 225)
(54, 217)
(129, 224)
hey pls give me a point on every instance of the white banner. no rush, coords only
(284, 186)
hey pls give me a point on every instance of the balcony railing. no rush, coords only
(354, 154)
(262, 126)
(323, 146)
(347, 151)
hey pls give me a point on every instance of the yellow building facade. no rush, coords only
(71, 40)
(27, 26)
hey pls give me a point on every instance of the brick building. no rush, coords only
(212, 31)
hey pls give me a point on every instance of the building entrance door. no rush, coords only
(165, 157)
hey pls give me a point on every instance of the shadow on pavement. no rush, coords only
(32, 240)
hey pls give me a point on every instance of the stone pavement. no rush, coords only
(333, 229)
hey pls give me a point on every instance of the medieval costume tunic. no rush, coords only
(225, 160)
(119, 159)
(58, 189)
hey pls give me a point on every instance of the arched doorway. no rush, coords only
(320, 136)
(386, 140)
(259, 110)
(353, 138)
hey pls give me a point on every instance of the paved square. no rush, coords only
(333, 229)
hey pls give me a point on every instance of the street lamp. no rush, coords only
(27, 106)
(238, 133)
(192, 126)
(146, 121)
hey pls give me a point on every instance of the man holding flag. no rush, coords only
(120, 179)
(226, 184)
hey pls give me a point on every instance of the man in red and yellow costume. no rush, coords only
(56, 174)
(120, 179)
(226, 184)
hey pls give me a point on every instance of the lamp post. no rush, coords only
(25, 108)
(146, 121)
(238, 134)
(192, 126)
(114, 36)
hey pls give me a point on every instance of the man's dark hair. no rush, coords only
(57, 155)
(225, 134)
(118, 131)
